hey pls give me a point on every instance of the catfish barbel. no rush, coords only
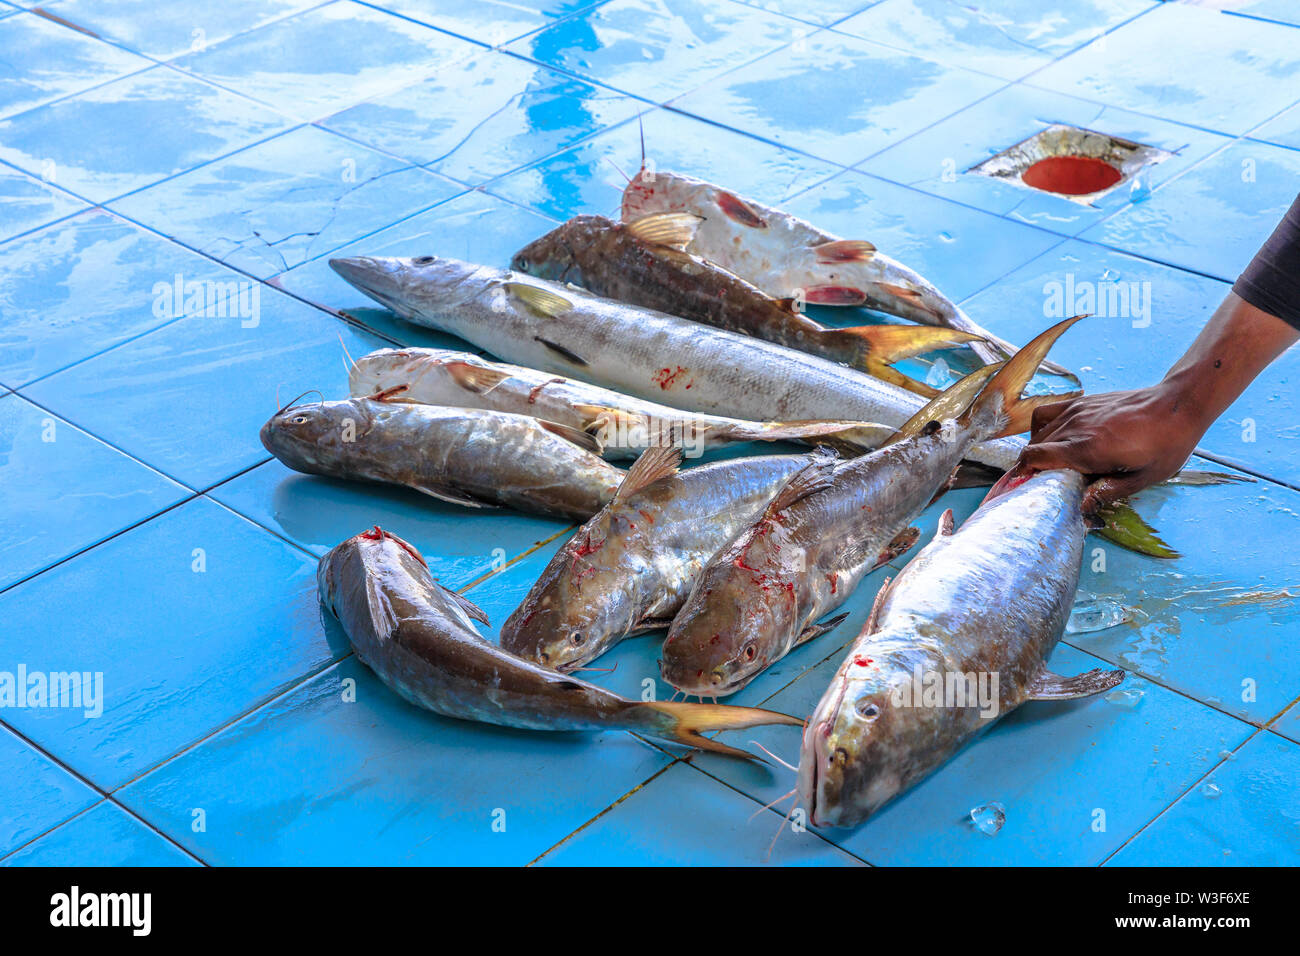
(644, 262)
(622, 426)
(629, 568)
(419, 638)
(971, 619)
(763, 595)
(650, 355)
(465, 456)
(787, 257)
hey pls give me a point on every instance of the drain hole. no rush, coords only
(1071, 175)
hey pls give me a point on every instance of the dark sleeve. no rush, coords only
(1272, 280)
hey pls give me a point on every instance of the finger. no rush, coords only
(1111, 488)
(1044, 415)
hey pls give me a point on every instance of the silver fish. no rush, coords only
(629, 568)
(647, 354)
(763, 594)
(622, 426)
(956, 641)
(787, 257)
(420, 639)
(466, 456)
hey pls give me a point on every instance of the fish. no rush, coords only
(628, 569)
(464, 456)
(764, 594)
(957, 640)
(787, 257)
(420, 639)
(623, 427)
(639, 352)
(643, 262)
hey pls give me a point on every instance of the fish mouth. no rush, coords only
(366, 274)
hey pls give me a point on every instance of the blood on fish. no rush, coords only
(863, 661)
(666, 377)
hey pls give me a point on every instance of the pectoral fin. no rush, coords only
(542, 301)
(672, 229)
(474, 378)
(1049, 686)
(475, 612)
(817, 630)
(452, 496)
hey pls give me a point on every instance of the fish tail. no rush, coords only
(1001, 396)
(686, 724)
(874, 348)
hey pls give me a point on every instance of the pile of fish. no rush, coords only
(654, 339)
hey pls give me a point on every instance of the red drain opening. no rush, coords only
(1071, 175)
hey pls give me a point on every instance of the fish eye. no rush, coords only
(523, 263)
(750, 652)
(422, 260)
(868, 709)
(298, 420)
(577, 639)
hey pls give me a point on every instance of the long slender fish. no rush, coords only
(957, 640)
(763, 594)
(636, 351)
(643, 262)
(787, 257)
(630, 567)
(420, 639)
(466, 456)
(623, 427)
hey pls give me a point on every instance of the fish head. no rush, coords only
(423, 285)
(553, 256)
(584, 601)
(865, 742)
(385, 369)
(318, 438)
(726, 634)
(353, 559)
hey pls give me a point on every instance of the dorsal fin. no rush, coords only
(542, 301)
(584, 440)
(672, 229)
(659, 461)
(1049, 686)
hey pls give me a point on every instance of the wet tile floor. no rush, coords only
(148, 537)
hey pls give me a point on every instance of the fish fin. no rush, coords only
(542, 301)
(873, 619)
(646, 624)
(947, 524)
(686, 723)
(737, 210)
(834, 295)
(560, 350)
(474, 378)
(914, 296)
(382, 618)
(584, 440)
(451, 496)
(902, 543)
(878, 346)
(1122, 525)
(810, 479)
(817, 630)
(475, 612)
(1049, 686)
(1195, 478)
(1014, 412)
(653, 464)
(672, 229)
(949, 404)
(894, 377)
(844, 250)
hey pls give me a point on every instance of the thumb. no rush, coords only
(1046, 457)
(1107, 490)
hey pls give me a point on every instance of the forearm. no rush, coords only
(1238, 342)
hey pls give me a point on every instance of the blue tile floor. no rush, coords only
(148, 149)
